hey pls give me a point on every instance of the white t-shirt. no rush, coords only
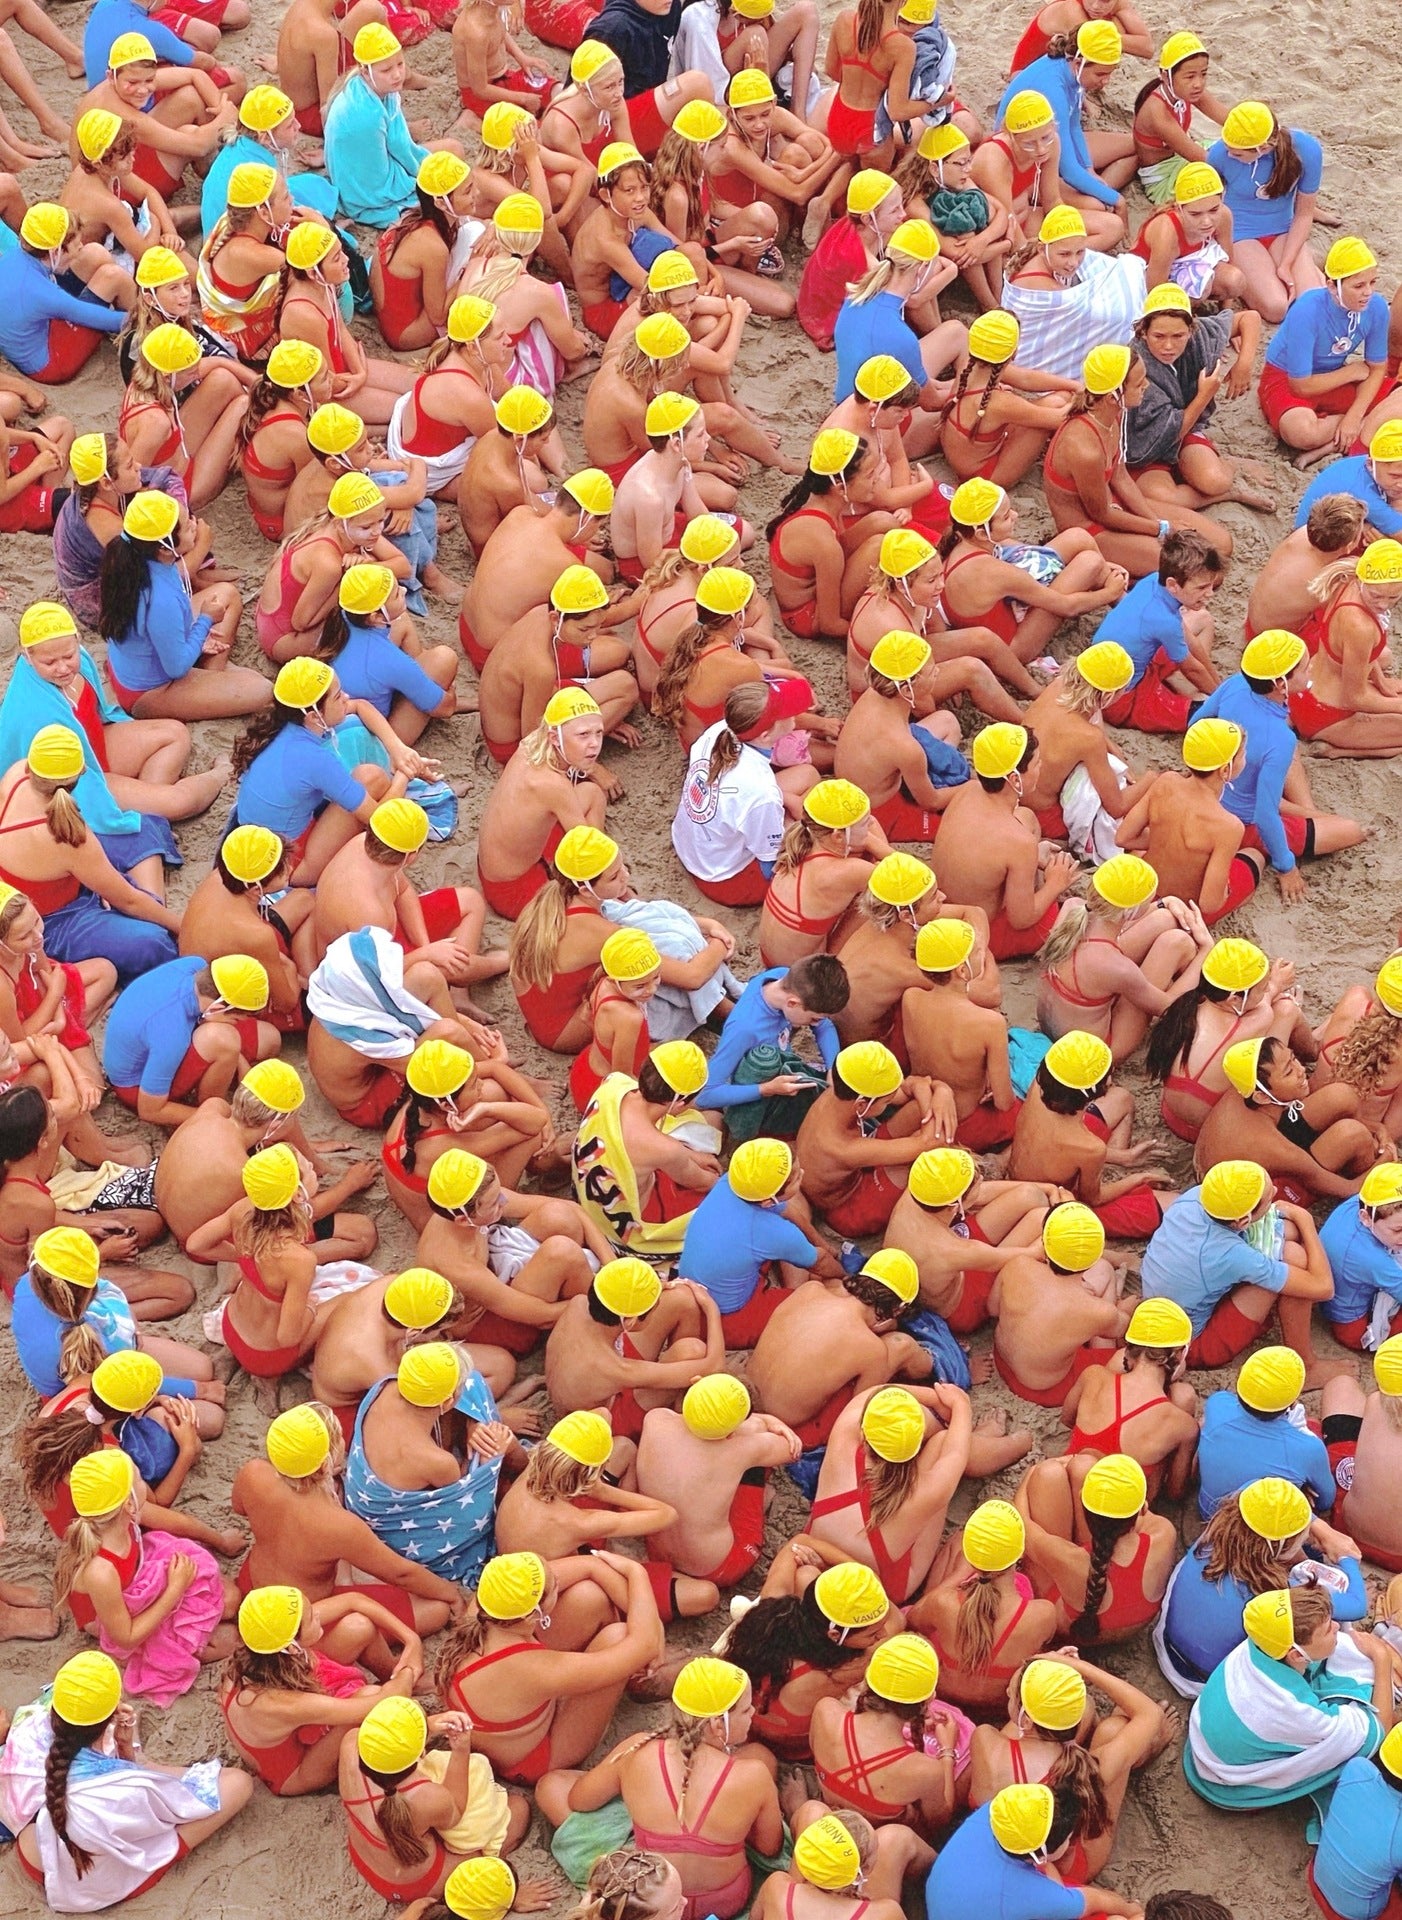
(719, 829)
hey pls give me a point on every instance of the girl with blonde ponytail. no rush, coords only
(556, 943)
(50, 855)
(155, 1600)
(534, 313)
(824, 864)
(1052, 1735)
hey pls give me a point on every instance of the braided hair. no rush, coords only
(68, 1743)
(1105, 1536)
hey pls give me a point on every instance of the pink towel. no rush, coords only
(165, 1665)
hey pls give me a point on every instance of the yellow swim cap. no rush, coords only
(1347, 256)
(1269, 1623)
(1177, 48)
(1115, 1488)
(44, 226)
(584, 854)
(629, 954)
(1209, 745)
(308, 244)
(151, 515)
(1275, 653)
(592, 490)
(240, 981)
(303, 682)
(832, 452)
(512, 1585)
(1079, 1061)
(1160, 1323)
(95, 132)
(706, 1687)
(668, 414)
(1061, 223)
(1021, 1817)
(1099, 42)
(101, 1482)
(297, 1443)
(1380, 563)
(570, 703)
(1382, 1185)
(904, 1669)
(441, 174)
(826, 1854)
(1125, 881)
(334, 429)
(1248, 126)
(483, 1888)
(942, 945)
(250, 184)
(419, 1298)
(519, 213)
(87, 1689)
(872, 1071)
(429, 1376)
(522, 411)
(894, 1270)
(373, 43)
(759, 1168)
(904, 552)
(915, 239)
(751, 87)
(671, 270)
(127, 1381)
(682, 1065)
(68, 1254)
(264, 107)
(46, 620)
(364, 590)
(994, 1537)
(1235, 966)
(836, 805)
(1053, 1695)
(1271, 1379)
(469, 318)
(699, 122)
(881, 378)
(1387, 1366)
(455, 1178)
(586, 1438)
(974, 503)
(938, 143)
(579, 590)
(867, 189)
(942, 1175)
(437, 1069)
(661, 336)
(715, 1406)
(1106, 666)
(88, 459)
(293, 363)
(501, 123)
(1196, 181)
(900, 656)
(627, 1287)
(1028, 111)
(994, 336)
(1072, 1237)
(893, 1424)
(56, 753)
(589, 58)
(1386, 443)
(1274, 1509)
(394, 1733)
(271, 1178)
(1167, 297)
(269, 1618)
(130, 50)
(850, 1596)
(353, 495)
(1233, 1189)
(1106, 368)
(620, 154)
(1387, 986)
(1390, 1752)
(998, 749)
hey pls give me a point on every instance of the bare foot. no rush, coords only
(522, 1390)
(786, 465)
(77, 71)
(28, 1623)
(1311, 457)
(793, 1791)
(1320, 1372)
(1256, 498)
(464, 1003)
(527, 1423)
(1325, 216)
(980, 1368)
(1171, 1730)
(266, 62)
(199, 791)
(441, 585)
(13, 1594)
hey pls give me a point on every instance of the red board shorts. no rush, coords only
(1299, 836)
(747, 1529)
(1226, 1336)
(1276, 398)
(816, 1430)
(1007, 942)
(972, 1309)
(372, 1108)
(194, 1066)
(1243, 878)
(986, 1128)
(902, 819)
(744, 889)
(645, 119)
(442, 916)
(1149, 705)
(1052, 1396)
(743, 1327)
(70, 349)
(1349, 1333)
(603, 317)
(514, 80)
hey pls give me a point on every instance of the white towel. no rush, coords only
(1090, 830)
(674, 1012)
(443, 468)
(358, 995)
(1059, 329)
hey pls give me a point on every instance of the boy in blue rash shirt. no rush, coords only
(1255, 699)
(48, 330)
(1094, 168)
(1313, 392)
(185, 1032)
(1164, 626)
(1363, 1240)
(1354, 1871)
(994, 1865)
(773, 1004)
(409, 691)
(1250, 1432)
(755, 1218)
(1374, 477)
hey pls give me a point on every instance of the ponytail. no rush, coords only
(1076, 1771)
(61, 814)
(536, 937)
(976, 1620)
(1068, 933)
(80, 1349)
(76, 1550)
(394, 1819)
(1288, 168)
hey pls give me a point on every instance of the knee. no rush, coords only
(766, 220)
(222, 1045)
(441, 664)
(90, 259)
(360, 1233)
(560, 1248)
(697, 86)
(181, 1293)
(235, 1789)
(422, 978)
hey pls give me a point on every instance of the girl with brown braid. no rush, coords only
(1093, 1548)
(992, 426)
(1052, 1735)
(631, 1885)
(106, 1823)
(696, 1793)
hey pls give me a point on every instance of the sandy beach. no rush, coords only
(1323, 70)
